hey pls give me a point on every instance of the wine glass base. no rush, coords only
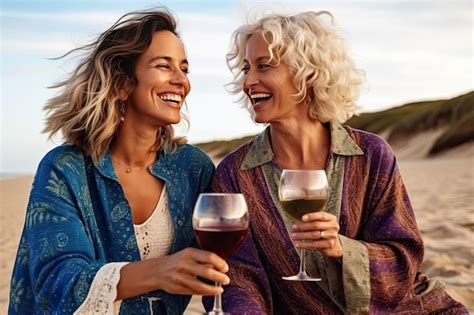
(301, 277)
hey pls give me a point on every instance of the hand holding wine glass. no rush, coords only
(302, 192)
(318, 230)
(220, 222)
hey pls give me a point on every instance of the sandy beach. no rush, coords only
(441, 191)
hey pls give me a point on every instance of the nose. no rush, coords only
(179, 78)
(251, 79)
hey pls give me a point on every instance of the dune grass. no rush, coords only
(460, 132)
(221, 148)
(456, 115)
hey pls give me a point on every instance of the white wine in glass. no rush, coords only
(220, 222)
(301, 192)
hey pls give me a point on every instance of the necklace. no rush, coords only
(129, 168)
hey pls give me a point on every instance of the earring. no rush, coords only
(122, 110)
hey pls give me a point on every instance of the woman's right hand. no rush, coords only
(177, 273)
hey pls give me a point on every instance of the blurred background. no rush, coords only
(411, 51)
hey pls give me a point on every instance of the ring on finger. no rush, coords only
(321, 234)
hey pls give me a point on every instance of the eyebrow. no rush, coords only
(167, 58)
(259, 59)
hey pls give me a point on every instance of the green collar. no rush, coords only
(261, 150)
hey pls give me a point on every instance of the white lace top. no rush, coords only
(154, 239)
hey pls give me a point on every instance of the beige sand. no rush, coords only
(441, 190)
(442, 194)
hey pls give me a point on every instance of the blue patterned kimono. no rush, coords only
(78, 220)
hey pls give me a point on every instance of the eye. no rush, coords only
(185, 70)
(264, 66)
(245, 69)
(163, 66)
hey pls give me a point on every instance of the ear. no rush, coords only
(309, 92)
(125, 90)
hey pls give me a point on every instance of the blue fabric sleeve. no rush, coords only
(61, 256)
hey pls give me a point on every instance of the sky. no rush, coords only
(411, 50)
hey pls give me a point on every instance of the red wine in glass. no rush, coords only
(220, 239)
(220, 222)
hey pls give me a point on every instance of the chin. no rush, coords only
(260, 119)
(172, 120)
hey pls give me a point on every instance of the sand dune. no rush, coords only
(441, 191)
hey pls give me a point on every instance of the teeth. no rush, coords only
(171, 97)
(260, 95)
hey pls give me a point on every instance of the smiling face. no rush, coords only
(269, 84)
(162, 83)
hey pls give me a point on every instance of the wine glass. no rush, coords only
(220, 222)
(301, 192)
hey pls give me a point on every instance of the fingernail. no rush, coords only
(305, 217)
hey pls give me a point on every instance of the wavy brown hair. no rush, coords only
(87, 110)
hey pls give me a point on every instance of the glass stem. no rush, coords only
(302, 262)
(217, 309)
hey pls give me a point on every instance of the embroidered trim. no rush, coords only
(103, 292)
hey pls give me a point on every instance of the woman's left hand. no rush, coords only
(318, 230)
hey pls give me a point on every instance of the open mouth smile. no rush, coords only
(258, 98)
(172, 99)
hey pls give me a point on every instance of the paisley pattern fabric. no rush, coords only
(382, 247)
(154, 239)
(78, 220)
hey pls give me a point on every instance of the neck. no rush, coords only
(134, 149)
(302, 145)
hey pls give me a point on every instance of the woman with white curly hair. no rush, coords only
(295, 75)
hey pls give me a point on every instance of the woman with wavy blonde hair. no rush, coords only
(295, 75)
(108, 226)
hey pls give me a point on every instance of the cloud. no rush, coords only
(37, 46)
(81, 17)
(411, 50)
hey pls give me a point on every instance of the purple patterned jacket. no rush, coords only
(382, 246)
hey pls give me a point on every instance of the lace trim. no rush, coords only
(103, 292)
(155, 236)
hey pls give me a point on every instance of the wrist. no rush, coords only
(137, 278)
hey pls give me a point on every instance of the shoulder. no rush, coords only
(63, 155)
(191, 152)
(62, 164)
(234, 159)
(372, 144)
(193, 156)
